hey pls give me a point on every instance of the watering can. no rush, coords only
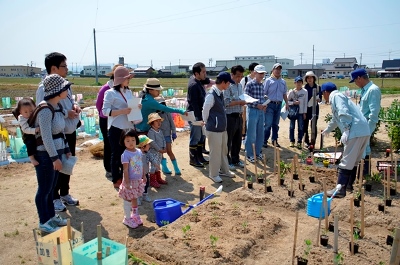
(168, 210)
(315, 204)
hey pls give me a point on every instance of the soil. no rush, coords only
(248, 226)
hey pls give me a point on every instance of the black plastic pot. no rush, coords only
(331, 227)
(389, 240)
(281, 181)
(388, 202)
(312, 179)
(250, 185)
(381, 207)
(302, 186)
(290, 193)
(356, 202)
(368, 187)
(323, 240)
(355, 247)
(269, 189)
(295, 176)
(392, 192)
(301, 261)
(260, 180)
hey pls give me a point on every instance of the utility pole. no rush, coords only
(360, 59)
(390, 51)
(95, 56)
(151, 63)
(344, 55)
(301, 58)
(312, 65)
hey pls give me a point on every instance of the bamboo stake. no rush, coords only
(275, 159)
(244, 171)
(388, 183)
(295, 237)
(325, 203)
(291, 180)
(319, 224)
(360, 175)
(300, 178)
(395, 174)
(351, 225)
(59, 251)
(278, 153)
(314, 167)
(265, 173)
(298, 167)
(335, 238)
(69, 234)
(99, 243)
(362, 213)
(395, 253)
(255, 160)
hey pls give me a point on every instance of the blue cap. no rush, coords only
(297, 79)
(225, 76)
(329, 87)
(357, 73)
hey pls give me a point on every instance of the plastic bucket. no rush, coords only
(167, 210)
(314, 205)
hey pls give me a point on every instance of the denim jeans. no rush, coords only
(255, 132)
(46, 179)
(300, 122)
(196, 135)
(272, 116)
(114, 134)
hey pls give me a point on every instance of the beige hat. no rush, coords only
(153, 83)
(153, 117)
(310, 73)
(112, 72)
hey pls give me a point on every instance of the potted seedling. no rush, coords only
(268, 185)
(368, 184)
(357, 197)
(331, 227)
(260, 178)
(323, 239)
(356, 237)
(304, 259)
(381, 206)
(376, 177)
(389, 238)
(356, 229)
(290, 193)
(250, 181)
(393, 188)
(295, 174)
(282, 178)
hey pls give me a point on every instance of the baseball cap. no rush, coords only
(297, 79)
(225, 76)
(357, 73)
(329, 87)
(260, 69)
(276, 66)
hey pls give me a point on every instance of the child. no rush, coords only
(133, 180)
(169, 131)
(298, 96)
(157, 148)
(22, 112)
(144, 146)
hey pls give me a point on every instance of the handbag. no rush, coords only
(293, 112)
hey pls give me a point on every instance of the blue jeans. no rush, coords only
(47, 179)
(272, 116)
(196, 135)
(255, 132)
(300, 123)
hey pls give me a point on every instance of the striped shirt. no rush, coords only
(232, 94)
(255, 90)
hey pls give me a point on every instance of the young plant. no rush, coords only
(357, 195)
(260, 175)
(368, 178)
(214, 240)
(267, 181)
(376, 177)
(282, 175)
(245, 225)
(250, 178)
(285, 168)
(336, 133)
(185, 229)
(324, 232)
(338, 260)
(307, 249)
(356, 236)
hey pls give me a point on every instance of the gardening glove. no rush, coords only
(174, 136)
(345, 137)
(324, 132)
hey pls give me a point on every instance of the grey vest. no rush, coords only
(217, 118)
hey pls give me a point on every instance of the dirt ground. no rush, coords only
(248, 226)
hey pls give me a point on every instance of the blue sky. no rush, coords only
(185, 32)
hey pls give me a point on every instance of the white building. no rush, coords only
(91, 70)
(177, 69)
(268, 61)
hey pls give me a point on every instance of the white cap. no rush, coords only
(260, 69)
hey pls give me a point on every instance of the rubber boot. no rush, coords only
(159, 179)
(366, 164)
(153, 181)
(352, 179)
(164, 166)
(343, 178)
(200, 154)
(176, 168)
(194, 161)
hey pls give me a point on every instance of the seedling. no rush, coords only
(357, 195)
(356, 236)
(307, 249)
(250, 178)
(214, 240)
(282, 175)
(368, 178)
(285, 168)
(185, 229)
(267, 182)
(235, 206)
(244, 225)
(164, 223)
(338, 260)
(376, 177)
(324, 232)
(195, 213)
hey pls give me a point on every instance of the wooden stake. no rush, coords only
(351, 225)
(336, 236)
(325, 203)
(388, 183)
(360, 175)
(295, 237)
(362, 213)
(99, 243)
(69, 234)
(314, 167)
(265, 172)
(255, 160)
(395, 254)
(291, 180)
(244, 170)
(278, 153)
(395, 174)
(275, 159)
(59, 251)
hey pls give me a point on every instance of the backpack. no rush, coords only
(246, 79)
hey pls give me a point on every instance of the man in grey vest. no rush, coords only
(214, 116)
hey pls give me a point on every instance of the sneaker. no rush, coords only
(58, 220)
(291, 144)
(232, 167)
(229, 174)
(239, 164)
(216, 179)
(276, 144)
(59, 206)
(69, 200)
(136, 218)
(146, 197)
(130, 222)
(250, 159)
(48, 227)
(260, 157)
(299, 146)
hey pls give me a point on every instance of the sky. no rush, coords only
(161, 32)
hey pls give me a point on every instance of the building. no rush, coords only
(19, 71)
(390, 68)
(268, 61)
(214, 71)
(341, 66)
(178, 69)
(302, 69)
(90, 70)
(164, 72)
(144, 71)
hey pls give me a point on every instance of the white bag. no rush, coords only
(68, 164)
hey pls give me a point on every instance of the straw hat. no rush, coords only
(144, 140)
(153, 83)
(310, 73)
(113, 70)
(153, 117)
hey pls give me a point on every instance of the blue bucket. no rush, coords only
(167, 210)
(314, 205)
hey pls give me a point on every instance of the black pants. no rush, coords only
(234, 131)
(107, 148)
(30, 143)
(114, 134)
(62, 186)
(307, 137)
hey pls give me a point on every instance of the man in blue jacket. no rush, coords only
(355, 133)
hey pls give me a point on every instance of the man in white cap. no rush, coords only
(275, 89)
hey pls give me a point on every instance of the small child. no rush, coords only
(133, 182)
(22, 112)
(157, 148)
(169, 131)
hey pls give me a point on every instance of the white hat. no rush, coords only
(260, 69)
(276, 66)
(310, 73)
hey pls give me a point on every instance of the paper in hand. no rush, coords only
(310, 102)
(247, 98)
(136, 114)
(189, 117)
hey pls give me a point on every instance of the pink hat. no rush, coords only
(120, 75)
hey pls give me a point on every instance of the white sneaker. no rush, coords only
(58, 220)
(146, 197)
(229, 174)
(48, 227)
(59, 206)
(232, 167)
(69, 200)
(216, 179)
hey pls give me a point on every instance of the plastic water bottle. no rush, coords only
(267, 100)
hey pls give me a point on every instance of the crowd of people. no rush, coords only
(134, 150)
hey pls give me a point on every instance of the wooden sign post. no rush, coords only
(295, 237)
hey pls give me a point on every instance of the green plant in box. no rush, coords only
(391, 117)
